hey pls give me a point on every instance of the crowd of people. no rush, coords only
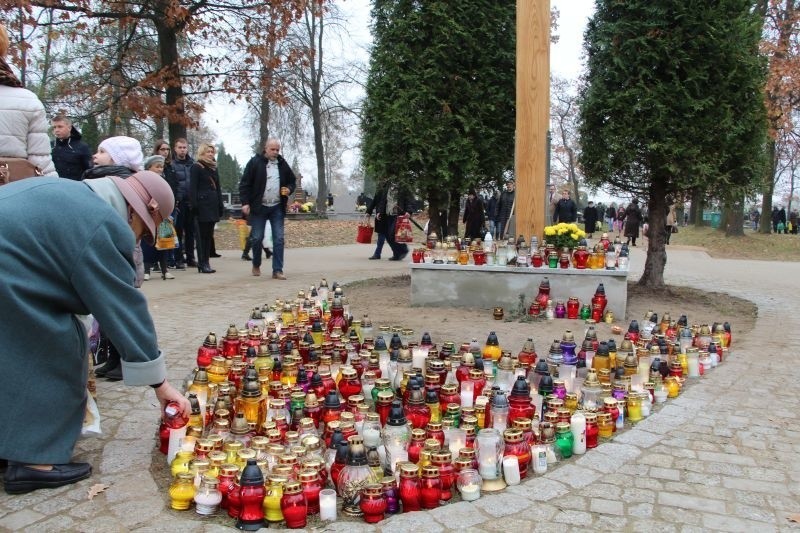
(69, 248)
(780, 222)
(81, 233)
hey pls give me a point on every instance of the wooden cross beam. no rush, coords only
(533, 115)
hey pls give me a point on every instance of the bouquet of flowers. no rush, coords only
(563, 235)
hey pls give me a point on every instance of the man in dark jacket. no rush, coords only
(267, 182)
(590, 217)
(385, 224)
(71, 156)
(184, 223)
(776, 217)
(491, 212)
(565, 210)
(504, 206)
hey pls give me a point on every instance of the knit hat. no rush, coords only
(153, 160)
(125, 151)
(149, 195)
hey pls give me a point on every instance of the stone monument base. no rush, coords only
(490, 286)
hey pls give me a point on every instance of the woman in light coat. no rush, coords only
(23, 125)
(671, 222)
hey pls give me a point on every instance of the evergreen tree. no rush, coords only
(229, 170)
(439, 115)
(672, 102)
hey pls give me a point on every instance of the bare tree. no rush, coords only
(565, 145)
(314, 81)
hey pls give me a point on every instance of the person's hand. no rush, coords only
(245, 210)
(167, 393)
(284, 191)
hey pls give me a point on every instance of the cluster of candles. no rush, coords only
(402, 425)
(604, 255)
(543, 307)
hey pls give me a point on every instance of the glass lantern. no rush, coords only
(469, 484)
(354, 477)
(490, 445)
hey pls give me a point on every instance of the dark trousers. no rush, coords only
(205, 235)
(184, 227)
(379, 244)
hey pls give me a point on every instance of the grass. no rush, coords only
(752, 245)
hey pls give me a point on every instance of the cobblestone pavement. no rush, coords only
(720, 457)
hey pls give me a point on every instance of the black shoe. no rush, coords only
(373, 257)
(267, 253)
(246, 257)
(191, 263)
(205, 269)
(111, 364)
(215, 254)
(115, 374)
(180, 266)
(398, 257)
(20, 479)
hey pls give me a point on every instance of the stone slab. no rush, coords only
(489, 286)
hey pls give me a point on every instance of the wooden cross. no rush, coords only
(533, 115)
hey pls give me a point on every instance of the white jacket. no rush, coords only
(23, 128)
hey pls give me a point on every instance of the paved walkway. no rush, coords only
(723, 456)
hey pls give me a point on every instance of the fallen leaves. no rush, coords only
(794, 517)
(96, 489)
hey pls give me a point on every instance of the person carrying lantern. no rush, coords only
(64, 263)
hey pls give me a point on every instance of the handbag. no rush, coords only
(403, 232)
(365, 230)
(17, 168)
(166, 236)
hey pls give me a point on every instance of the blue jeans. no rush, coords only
(379, 244)
(258, 219)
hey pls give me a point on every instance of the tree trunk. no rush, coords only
(47, 59)
(653, 275)
(436, 224)
(453, 212)
(173, 84)
(319, 151)
(263, 118)
(768, 188)
(698, 200)
(693, 200)
(733, 215)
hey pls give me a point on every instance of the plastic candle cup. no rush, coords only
(327, 504)
(511, 470)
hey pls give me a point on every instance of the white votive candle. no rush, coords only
(466, 398)
(175, 437)
(511, 470)
(327, 504)
(471, 492)
(372, 437)
(418, 357)
(488, 468)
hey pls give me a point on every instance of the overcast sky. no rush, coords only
(229, 119)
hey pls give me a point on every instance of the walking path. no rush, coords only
(720, 457)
